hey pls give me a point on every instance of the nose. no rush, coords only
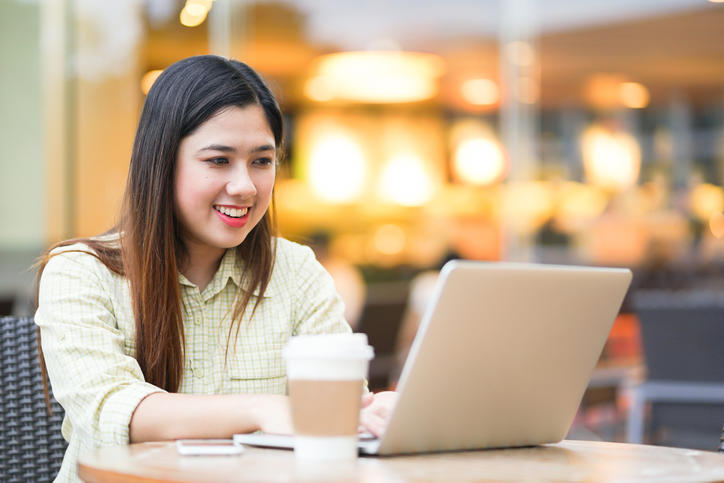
(240, 183)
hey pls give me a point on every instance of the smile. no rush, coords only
(232, 212)
(232, 217)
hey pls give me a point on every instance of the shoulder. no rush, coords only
(69, 255)
(290, 254)
(294, 265)
(78, 259)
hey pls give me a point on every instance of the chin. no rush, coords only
(231, 243)
(235, 242)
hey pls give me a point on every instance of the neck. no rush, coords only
(201, 265)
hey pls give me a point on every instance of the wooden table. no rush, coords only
(566, 461)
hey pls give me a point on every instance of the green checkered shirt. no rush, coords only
(88, 338)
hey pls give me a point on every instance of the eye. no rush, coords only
(218, 161)
(264, 161)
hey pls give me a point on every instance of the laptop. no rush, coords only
(502, 357)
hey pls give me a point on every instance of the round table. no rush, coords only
(588, 461)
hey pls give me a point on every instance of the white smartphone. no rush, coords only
(201, 447)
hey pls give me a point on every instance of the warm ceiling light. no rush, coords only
(603, 91)
(337, 168)
(196, 10)
(611, 159)
(148, 79)
(479, 161)
(405, 182)
(478, 157)
(480, 92)
(205, 4)
(706, 200)
(716, 1)
(377, 76)
(318, 89)
(193, 14)
(611, 91)
(634, 95)
(716, 224)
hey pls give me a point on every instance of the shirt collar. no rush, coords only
(231, 267)
(227, 270)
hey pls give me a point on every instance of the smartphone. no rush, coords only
(201, 447)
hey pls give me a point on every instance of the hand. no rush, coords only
(376, 410)
(273, 414)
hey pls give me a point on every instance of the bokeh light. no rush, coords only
(389, 239)
(480, 92)
(479, 161)
(706, 200)
(404, 181)
(716, 225)
(611, 159)
(634, 95)
(194, 12)
(148, 79)
(337, 168)
(376, 76)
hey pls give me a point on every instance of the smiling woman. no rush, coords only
(172, 324)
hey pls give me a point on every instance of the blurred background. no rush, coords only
(419, 131)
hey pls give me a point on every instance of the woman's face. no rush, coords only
(225, 173)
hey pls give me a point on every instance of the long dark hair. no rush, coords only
(185, 95)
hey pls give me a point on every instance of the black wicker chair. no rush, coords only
(31, 446)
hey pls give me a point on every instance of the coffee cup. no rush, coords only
(326, 376)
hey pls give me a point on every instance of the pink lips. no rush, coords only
(233, 222)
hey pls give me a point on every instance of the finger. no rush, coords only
(384, 403)
(373, 423)
(376, 426)
(381, 410)
(367, 399)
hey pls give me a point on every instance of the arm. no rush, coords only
(163, 416)
(94, 379)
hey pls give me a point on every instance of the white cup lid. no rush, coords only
(329, 346)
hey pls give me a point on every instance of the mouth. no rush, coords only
(232, 212)
(232, 217)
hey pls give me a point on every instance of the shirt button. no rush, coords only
(198, 370)
(198, 316)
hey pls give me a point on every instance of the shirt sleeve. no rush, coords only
(318, 307)
(98, 384)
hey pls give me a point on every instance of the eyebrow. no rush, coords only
(230, 149)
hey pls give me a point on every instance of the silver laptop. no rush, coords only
(501, 359)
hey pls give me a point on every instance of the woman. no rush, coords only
(171, 325)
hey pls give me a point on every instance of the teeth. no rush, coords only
(232, 212)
